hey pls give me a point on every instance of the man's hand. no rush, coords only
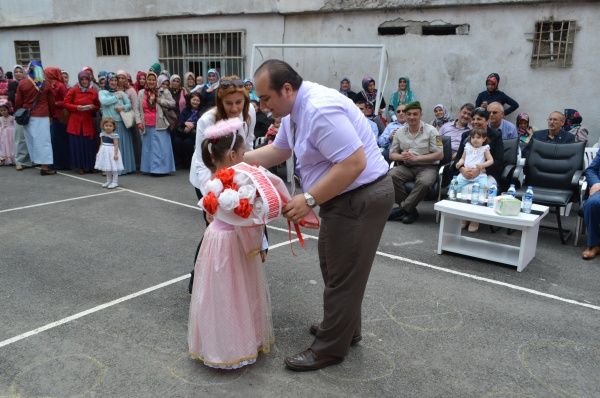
(296, 209)
(408, 156)
(595, 188)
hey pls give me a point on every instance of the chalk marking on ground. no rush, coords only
(61, 201)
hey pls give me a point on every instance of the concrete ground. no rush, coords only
(94, 303)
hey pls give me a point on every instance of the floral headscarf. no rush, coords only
(572, 118)
(36, 73)
(109, 75)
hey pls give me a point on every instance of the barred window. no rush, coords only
(26, 51)
(111, 46)
(199, 52)
(553, 43)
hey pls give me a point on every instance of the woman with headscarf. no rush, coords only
(124, 84)
(572, 124)
(492, 94)
(185, 135)
(249, 86)
(156, 68)
(178, 92)
(369, 93)
(441, 116)
(209, 90)
(140, 81)
(346, 88)
(59, 118)
(112, 102)
(524, 129)
(22, 158)
(157, 151)
(34, 94)
(82, 103)
(404, 95)
(93, 81)
(189, 81)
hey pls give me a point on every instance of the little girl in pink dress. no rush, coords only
(7, 135)
(230, 309)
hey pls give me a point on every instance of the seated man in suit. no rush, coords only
(416, 149)
(555, 133)
(591, 210)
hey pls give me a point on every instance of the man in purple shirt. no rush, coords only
(341, 170)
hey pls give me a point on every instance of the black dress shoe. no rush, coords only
(309, 360)
(411, 217)
(47, 172)
(315, 326)
(397, 214)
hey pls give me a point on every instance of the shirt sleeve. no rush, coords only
(282, 140)
(395, 147)
(435, 140)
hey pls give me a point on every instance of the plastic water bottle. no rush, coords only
(492, 192)
(452, 189)
(512, 191)
(475, 194)
(528, 200)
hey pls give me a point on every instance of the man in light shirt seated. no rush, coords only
(385, 139)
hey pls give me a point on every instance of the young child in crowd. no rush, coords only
(273, 129)
(109, 158)
(7, 135)
(476, 156)
(230, 310)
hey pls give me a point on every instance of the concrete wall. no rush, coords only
(446, 69)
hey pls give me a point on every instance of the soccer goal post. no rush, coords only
(256, 48)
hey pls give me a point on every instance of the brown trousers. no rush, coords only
(423, 176)
(351, 226)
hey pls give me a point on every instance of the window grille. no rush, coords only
(25, 51)
(553, 43)
(112, 46)
(199, 52)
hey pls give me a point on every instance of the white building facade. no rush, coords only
(446, 48)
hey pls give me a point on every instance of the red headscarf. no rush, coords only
(138, 86)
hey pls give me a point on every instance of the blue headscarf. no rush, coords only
(36, 73)
(215, 84)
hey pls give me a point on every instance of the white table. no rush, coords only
(451, 240)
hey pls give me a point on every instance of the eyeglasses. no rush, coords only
(400, 111)
(228, 83)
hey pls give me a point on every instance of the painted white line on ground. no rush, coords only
(90, 311)
(414, 242)
(79, 178)
(61, 201)
(430, 266)
(488, 280)
(109, 304)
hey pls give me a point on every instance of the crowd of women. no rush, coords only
(156, 117)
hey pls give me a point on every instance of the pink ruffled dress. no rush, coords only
(230, 310)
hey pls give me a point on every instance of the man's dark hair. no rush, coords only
(469, 106)
(481, 112)
(280, 72)
(360, 100)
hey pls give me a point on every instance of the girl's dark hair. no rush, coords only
(188, 99)
(480, 132)
(481, 112)
(218, 149)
